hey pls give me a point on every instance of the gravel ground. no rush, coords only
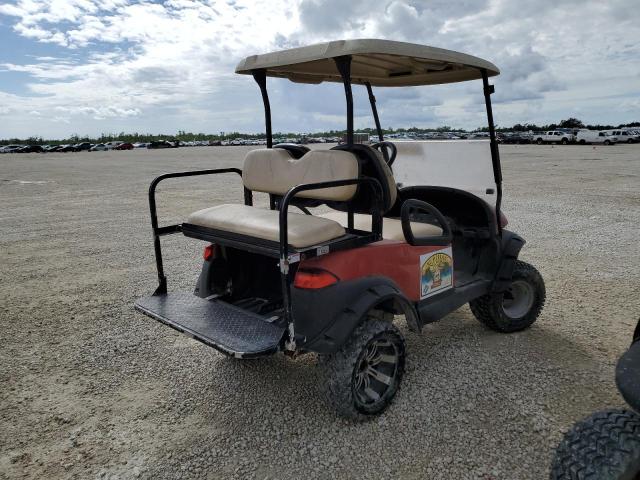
(91, 389)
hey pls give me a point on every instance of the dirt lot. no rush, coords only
(91, 389)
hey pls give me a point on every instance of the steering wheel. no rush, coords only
(382, 148)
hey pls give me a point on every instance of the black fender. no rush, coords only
(636, 332)
(324, 318)
(627, 374)
(511, 245)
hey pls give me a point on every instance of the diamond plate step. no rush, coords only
(226, 328)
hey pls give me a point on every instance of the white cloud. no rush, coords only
(124, 65)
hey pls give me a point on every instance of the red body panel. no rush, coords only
(396, 260)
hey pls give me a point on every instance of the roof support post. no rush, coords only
(495, 154)
(344, 67)
(260, 77)
(374, 111)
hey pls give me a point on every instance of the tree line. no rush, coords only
(189, 136)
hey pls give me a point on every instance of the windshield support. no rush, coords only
(260, 77)
(495, 154)
(374, 111)
(344, 67)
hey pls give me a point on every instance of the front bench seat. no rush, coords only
(391, 227)
(275, 171)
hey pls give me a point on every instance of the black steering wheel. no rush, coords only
(382, 148)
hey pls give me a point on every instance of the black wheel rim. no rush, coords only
(376, 372)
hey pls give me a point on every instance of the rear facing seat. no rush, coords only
(274, 171)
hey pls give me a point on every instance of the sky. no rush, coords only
(88, 67)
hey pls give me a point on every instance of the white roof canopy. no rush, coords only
(382, 63)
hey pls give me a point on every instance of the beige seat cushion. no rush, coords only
(391, 227)
(304, 230)
(273, 170)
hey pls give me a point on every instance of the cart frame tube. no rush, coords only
(376, 229)
(260, 77)
(374, 111)
(344, 67)
(495, 154)
(168, 230)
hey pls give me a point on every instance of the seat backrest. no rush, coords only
(296, 151)
(372, 164)
(275, 171)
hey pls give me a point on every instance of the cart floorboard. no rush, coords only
(226, 328)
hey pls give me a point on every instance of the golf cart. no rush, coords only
(606, 445)
(407, 229)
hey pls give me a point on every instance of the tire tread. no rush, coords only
(604, 446)
(338, 367)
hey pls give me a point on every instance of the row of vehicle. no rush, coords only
(564, 137)
(87, 147)
(586, 136)
(79, 147)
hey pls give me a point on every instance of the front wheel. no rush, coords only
(516, 308)
(607, 142)
(364, 375)
(564, 141)
(539, 141)
(604, 446)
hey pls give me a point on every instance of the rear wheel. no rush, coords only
(564, 141)
(582, 142)
(363, 377)
(604, 446)
(539, 141)
(516, 308)
(607, 142)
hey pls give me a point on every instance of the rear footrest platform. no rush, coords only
(226, 328)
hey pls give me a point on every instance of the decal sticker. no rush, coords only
(294, 258)
(322, 250)
(436, 272)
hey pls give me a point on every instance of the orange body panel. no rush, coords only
(396, 260)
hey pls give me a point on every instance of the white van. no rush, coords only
(622, 136)
(594, 136)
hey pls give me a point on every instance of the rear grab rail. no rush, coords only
(376, 227)
(170, 229)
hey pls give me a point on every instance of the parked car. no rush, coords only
(516, 138)
(29, 149)
(553, 136)
(160, 144)
(124, 146)
(140, 145)
(593, 136)
(606, 445)
(10, 148)
(68, 148)
(100, 147)
(84, 146)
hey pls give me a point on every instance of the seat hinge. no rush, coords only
(284, 266)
